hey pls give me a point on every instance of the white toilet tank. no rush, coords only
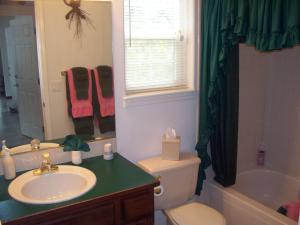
(178, 178)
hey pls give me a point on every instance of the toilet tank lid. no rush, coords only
(157, 164)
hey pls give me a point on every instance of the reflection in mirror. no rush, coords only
(19, 77)
(66, 86)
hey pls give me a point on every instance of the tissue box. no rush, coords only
(170, 148)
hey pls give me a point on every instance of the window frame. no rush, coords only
(191, 56)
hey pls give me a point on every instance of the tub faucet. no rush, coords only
(46, 166)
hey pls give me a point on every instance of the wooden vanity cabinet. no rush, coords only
(130, 207)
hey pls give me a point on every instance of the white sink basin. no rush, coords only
(67, 183)
(27, 147)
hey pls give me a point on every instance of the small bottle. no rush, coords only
(260, 158)
(76, 157)
(261, 155)
(8, 163)
(108, 153)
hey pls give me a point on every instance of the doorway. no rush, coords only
(20, 103)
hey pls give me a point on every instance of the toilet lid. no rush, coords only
(196, 214)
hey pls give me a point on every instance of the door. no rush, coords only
(11, 68)
(27, 77)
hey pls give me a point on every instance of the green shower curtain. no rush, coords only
(267, 25)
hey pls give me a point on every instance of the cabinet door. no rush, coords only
(138, 207)
(147, 221)
(100, 215)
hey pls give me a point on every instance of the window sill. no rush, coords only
(158, 97)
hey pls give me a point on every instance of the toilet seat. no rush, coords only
(195, 214)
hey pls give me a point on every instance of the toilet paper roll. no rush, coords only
(158, 191)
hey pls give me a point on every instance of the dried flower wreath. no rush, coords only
(76, 15)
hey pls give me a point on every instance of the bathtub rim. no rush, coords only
(251, 203)
(269, 170)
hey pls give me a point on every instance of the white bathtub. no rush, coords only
(255, 198)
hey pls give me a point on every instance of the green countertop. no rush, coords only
(112, 176)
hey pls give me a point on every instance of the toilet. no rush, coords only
(178, 180)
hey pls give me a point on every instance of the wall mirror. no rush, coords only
(37, 50)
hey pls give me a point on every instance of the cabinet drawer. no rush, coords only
(138, 206)
(99, 215)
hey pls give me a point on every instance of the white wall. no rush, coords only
(60, 51)
(254, 67)
(270, 109)
(282, 131)
(140, 127)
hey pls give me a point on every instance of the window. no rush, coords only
(157, 45)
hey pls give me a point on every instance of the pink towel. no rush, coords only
(80, 108)
(107, 105)
(293, 210)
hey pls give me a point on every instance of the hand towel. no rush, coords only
(105, 123)
(107, 105)
(81, 82)
(106, 81)
(83, 122)
(80, 107)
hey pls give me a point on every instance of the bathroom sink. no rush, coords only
(67, 183)
(27, 147)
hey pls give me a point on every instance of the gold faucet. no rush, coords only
(46, 166)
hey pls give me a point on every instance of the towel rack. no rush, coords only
(64, 73)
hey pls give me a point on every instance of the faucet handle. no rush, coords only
(35, 144)
(46, 166)
(46, 155)
(46, 158)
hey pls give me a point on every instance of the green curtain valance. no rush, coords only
(267, 25)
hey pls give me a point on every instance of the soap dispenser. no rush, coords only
(8, 163)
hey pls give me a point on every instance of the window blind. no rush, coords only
(155, 45)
